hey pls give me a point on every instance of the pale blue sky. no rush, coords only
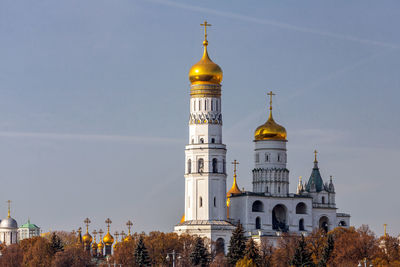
(94, 102)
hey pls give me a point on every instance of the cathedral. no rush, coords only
(269, 209)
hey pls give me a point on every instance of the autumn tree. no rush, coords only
(73, 256)
(266, 252)
(237, 245)
(200, 255)
(245, 262)
(56, 244)
(388, 253)
(141, 255)
(124, 253)
(12, 256)
(285, 249)
(37, 252)
(327, 251)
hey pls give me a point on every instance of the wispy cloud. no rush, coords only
(275, 23)
(93, 137)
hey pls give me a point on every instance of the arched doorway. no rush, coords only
(324, 223)
(220, 246)
(258, 223)
(279, 215)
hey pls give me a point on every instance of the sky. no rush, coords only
(94, 103)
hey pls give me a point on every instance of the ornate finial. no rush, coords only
(108, 222)
(205, 24)
(331, 178)
(94, 233)
(384, 230)
(300, 178)
(315, 155)
(9, 208)
(87, 222)
(79, 231)
(101, 232)
(235, 162)
(116, 235)
(270, 99)
(123, 234)
(129, 224)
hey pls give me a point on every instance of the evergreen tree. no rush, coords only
(237, 245)
(200, 255)
(252, 252)
(141, 255)
(302, 257)
(326, 254)
(56, 243)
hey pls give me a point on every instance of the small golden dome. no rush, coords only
(183, 218)
(270, 131)
(100, 245)
(128, 238)
(94, 245)
(87, 238)
(205, 71)
(108, 239)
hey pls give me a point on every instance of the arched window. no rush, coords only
(301, 208)
(213, 140)
(301, 225)
(189, 166)
(258, 223)
(202, 140)
(201, 202)
(279, 189)
(323, 200)
(258, 206)
(214, 165)
(279, 218)
(267, 189)
(200, 165)
(215, 202)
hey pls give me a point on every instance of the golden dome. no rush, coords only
(270, 130)
(94, 245)
(87, 238)
(183, 218)
(235, 188)
(108, 239)
(128, 238)
(100, 245)
(205, 71)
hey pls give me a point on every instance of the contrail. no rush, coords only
(274, 23)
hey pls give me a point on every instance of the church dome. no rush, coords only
(100, 245)
(9, 223)
(270, 131)
(87, 238)
(108, 239)
(205, 71)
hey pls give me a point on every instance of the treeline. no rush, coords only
(340, 247)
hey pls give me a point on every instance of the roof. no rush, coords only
(29, 225)
(315, 180)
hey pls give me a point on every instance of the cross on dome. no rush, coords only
(315, 155)
(9, 208)
(270, 99)
(205, 24)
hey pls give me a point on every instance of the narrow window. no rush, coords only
(205, 104)
(201, 140)
(323, 200)
(267, 189)
(215, 202)
(301, 225)
(258, 223)
(199, 105)
(212, 105)
(279, 189)
(266, 157)
(216, 105)
(192, 141)
(223, 166)
(279, 158)
(214, 165)
(257, 157)
(201, 202)
(200, 165)
(189, 166)
(213, 140)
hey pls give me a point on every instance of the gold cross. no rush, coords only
(129, 224)
(205, 24)
(108, 222)
(384, 226)
(9, 207)
(87, 221)
(235, 162)
(270, 99)
(315, 153)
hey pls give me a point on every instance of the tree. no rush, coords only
(124, 253)
(252, 252)
(12, 256)
(302, 257)
(284, 252)
(37, 252)
(56, 243)
(237, 245)
(266, 252)
(141, 255)
(200, 255)
(73, 256)
(327, 251)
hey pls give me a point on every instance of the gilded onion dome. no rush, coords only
(100, 245)
(108, 239)
(205, 71)
(87, 238)
(270, 130)
(235, 188)
(94, 245)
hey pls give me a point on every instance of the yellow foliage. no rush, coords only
(245, 262)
